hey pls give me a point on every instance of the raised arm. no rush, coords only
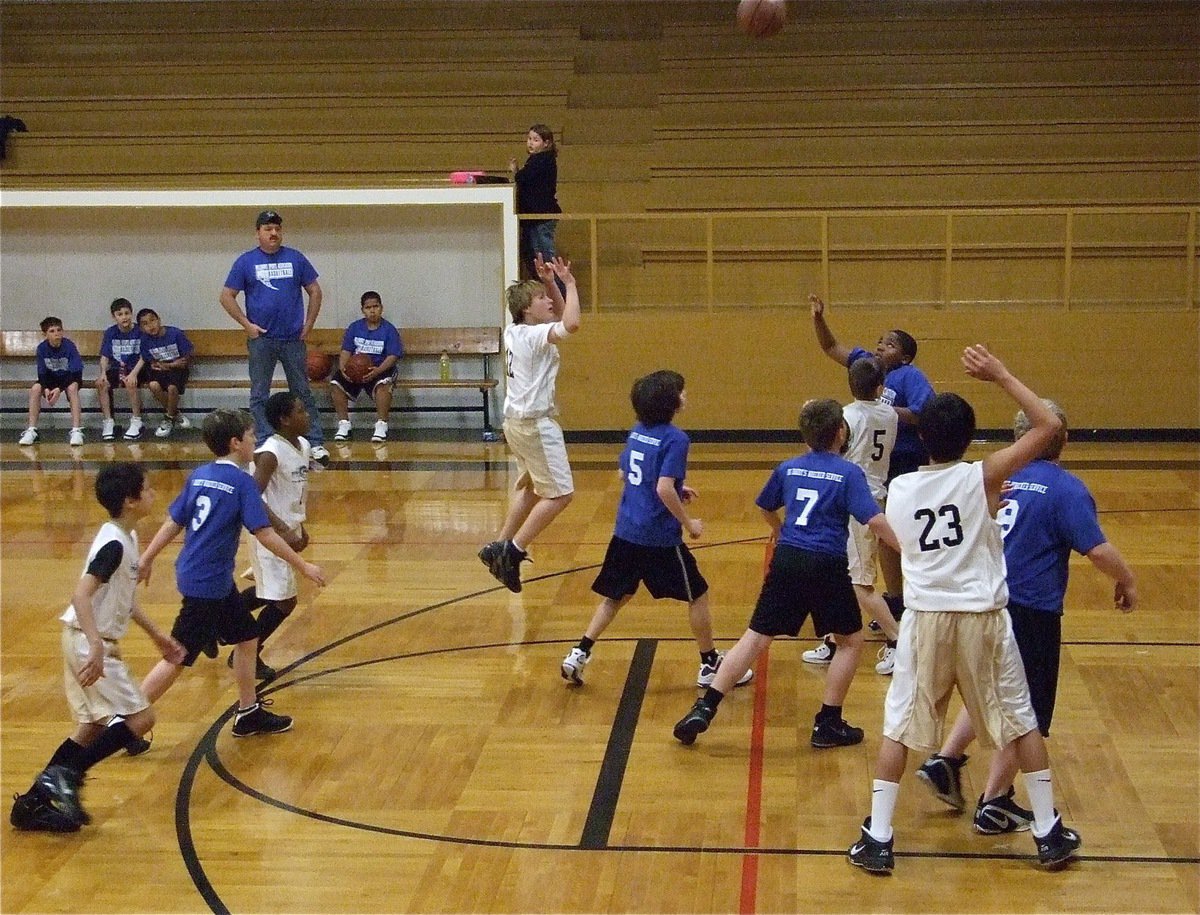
(825, 338)
(570, 312)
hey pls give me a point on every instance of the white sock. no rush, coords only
(1041, 797)
(883, 805)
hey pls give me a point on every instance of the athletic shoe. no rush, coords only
(573, 665)
(75, 439)
(28, 437)
(708, 673)
(1001, 814)
(108, 430)
(1058, 846)
(262, 670)
(343, 431)
(822, 654)
(380, 433)
(870, 854)
(835, 733)
(941, 774)
(694, 723)
(490, 553)
(258, 720)
(181, 421)
(29, 811)
(165, 428)
(887, 660)
(138, 745)
(58, 788)
(504, 562)
(320, 454)
(134, 432)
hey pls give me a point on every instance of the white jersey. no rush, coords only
(287, 490)
(873, 426)
(531, 364)
(112, 604)
(952, 551)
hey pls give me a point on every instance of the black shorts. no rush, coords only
(667, 571)
(60, 380)
(176, 378)
(113, 374)
(353, 389)
(801, 583)
(1039, 640)
(205, 620)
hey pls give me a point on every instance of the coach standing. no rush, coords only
(276, 322)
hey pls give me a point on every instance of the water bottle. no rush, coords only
(444, 366)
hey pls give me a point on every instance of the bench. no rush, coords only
(225, 345)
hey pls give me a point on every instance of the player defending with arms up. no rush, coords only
(542, 319)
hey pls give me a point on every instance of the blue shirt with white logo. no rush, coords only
(168, 346)
(53, 360)
(379, 343)
(651, 452)
(904, 386)
(818, 492)
(274, 287)
(122, 347)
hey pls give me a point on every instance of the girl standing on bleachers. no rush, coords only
(537, 192)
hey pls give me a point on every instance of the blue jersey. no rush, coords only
(1047, 514)
(818, 492)
(122, 347)
(168, 346)
(379, 343)
(650, 453)
(57, 360)
(904, 386)
(273, 284)
(218, 500)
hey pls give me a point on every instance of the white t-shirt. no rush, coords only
(873, 426)
(531, 364)
(952, 551)
(287, 490)
(112, 604)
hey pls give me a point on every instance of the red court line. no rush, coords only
(754, 788)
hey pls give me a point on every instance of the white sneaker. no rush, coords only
(320, 454)
(343, 431)
(134, 432)
(573, 665)
(887, 661)
(76, 438)
(181, 421)
(164, 429)
(28, 437)
(108, 430)
(380, 433)
(708, 673)
(822, 654)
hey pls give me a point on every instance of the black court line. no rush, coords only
(599, 821)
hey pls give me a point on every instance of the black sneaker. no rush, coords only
(1001, 814)
(694, 723)
(258, 720)
(870, 854)
(506, 566)
(58, 788)
(490, 555)
(263, 671)
(31, 812)
(835, 733)
(139, 745)
(941, 774)
(1058, 846)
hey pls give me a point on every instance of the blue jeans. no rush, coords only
(264, 354)
(537, 236)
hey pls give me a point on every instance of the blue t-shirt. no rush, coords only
(122, 347)
(55, 361)
(274, 287)
(218, 500)
(650, 453)
(818, 492)
(904, 386)
(168, 346)
(379, 343)
(1047, 514)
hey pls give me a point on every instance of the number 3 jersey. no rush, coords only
(651, 452)
(952, 552)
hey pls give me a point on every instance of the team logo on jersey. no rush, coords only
(265, 273)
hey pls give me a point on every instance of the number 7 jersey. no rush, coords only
(952, 551)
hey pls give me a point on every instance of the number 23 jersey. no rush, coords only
(952, 550)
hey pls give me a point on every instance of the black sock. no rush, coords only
(585, 645)
(114, 737)
(269, 620)
(709, 657)
(250, 599)
(712, 698)
(68, 754)
(829, 713)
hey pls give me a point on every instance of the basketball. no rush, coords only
(358, 366)
(761, 18)
(318, 365)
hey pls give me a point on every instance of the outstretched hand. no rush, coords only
(981, 364)
(816, 307)
(562, 270)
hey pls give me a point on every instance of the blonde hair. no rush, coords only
(1021, 425)
(519, 296)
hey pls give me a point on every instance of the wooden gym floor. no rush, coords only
(439, 763)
